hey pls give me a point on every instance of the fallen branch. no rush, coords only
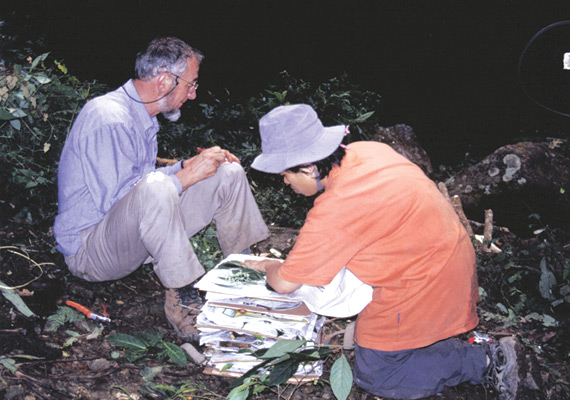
(488, 231)
(455, 201)
(479, 225)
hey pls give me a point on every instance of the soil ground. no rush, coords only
(51, 366)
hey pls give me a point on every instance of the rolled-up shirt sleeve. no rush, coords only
(171, 170)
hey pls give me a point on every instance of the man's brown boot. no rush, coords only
(181, 307)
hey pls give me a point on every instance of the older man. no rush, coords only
(117, 210)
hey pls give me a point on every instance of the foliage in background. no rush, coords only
(38, 102)
(233, 125)
(206, 247)
(530, 288)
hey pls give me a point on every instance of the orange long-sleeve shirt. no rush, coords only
(383, 219)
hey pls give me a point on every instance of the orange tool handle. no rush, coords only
(80, 308)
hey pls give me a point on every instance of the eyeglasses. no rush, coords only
(190, 85)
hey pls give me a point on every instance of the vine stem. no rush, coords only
(11, 250)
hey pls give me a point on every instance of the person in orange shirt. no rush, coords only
(386, 222)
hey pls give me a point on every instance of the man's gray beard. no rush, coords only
(172, 115)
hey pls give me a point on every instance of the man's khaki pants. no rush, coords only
(153, 223)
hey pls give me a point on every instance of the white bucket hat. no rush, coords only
(293, 135)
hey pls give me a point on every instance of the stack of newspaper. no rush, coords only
(242, 315)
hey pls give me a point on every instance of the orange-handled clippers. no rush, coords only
(87, 312)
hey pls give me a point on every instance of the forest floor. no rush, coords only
(77, 362)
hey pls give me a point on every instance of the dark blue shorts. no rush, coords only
(417, 373)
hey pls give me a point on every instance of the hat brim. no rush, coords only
(325, 144)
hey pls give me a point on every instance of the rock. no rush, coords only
(196, 356)
(101, 364)
(402, 138)
(516, 181)
(14, 393)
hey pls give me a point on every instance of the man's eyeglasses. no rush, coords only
(190, 85)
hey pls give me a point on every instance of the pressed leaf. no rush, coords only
(230, 264)
(226, 367)
(341, 378)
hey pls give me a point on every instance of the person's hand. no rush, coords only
(204, 165)
(230, 157)
(271, 268)
(261, 265)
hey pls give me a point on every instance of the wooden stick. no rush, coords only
(456, 202)
(443, 189)
(488, 231)
(162, 162)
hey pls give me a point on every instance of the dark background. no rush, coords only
(447, 68)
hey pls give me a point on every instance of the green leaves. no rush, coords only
(61, 317)
(128, 341)
(145, 343)
(281, 348)
(242, 391)
(341, 378)
(15, 299)
(234, 125)
(174, 353)
(547, 281)
(38, 103)
(280, 363)
(39, 59)
(6, 115)
(362, 117)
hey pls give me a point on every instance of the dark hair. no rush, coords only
(325, 165)
(167, 54)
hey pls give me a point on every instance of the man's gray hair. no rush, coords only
(167, 54)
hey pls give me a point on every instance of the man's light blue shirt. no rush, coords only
(111, 146)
